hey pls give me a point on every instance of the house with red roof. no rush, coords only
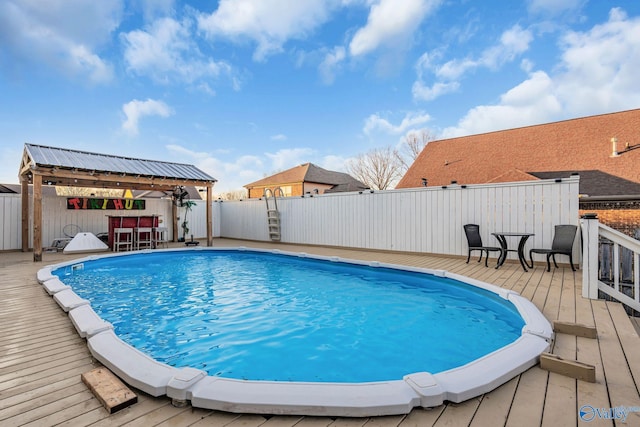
(604, 150)
(305, 179)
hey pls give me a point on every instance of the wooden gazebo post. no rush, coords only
(37, 217)
(209, 215)
(24, 189)
(174, 221)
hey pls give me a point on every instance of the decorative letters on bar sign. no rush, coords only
(78, 203)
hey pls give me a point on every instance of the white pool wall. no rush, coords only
(304, 398)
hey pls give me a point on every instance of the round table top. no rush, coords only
(512, 233)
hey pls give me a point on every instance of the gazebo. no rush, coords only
(58, 166)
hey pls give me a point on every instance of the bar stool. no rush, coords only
(143, 237)
(122, 238)
(161, 237)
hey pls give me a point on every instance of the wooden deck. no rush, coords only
(42, 358)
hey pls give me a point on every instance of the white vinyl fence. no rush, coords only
(55, 216)
(426, 220)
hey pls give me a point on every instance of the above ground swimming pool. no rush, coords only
(272, 332)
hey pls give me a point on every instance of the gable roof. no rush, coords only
(599, 184)
(63, 166)
(309, 173)
(576, 145)
(66, 158)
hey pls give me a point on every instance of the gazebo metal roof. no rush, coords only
(62, 166)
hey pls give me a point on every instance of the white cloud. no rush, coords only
(151, 9)
(597, 74)
(278, 137)
(531, 102)
(63, 35)
(554, 7)
(331, 63)
(428, 93)
(268, 23)
(233, 175)
(135, 110)
(375, 123)
(513, 42)
(334, 163)
(454, 69)
(389, 22)
(599, 68)
(166, 50)
(82, 60)
(290, 157)
(230, 175)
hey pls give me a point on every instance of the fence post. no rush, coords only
(589, 223)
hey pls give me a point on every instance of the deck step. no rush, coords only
(576, 329)
(109, 390)
(568, 368)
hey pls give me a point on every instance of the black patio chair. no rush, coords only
(472, 231)
(562, 244)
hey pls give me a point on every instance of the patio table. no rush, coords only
(501, 236)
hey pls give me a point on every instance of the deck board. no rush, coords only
(561, 390)
(42, 357)
(495, 406)
(458, 414)
(528, 401)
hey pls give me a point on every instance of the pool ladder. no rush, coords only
(273, 215)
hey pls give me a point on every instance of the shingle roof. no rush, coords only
(16, 189)
(596, 183)
(310, 173)
(576, 145)
(45, 156)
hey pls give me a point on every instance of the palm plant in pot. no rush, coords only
(187, 205)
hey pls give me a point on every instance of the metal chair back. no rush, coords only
(472, 231)
(563, 238)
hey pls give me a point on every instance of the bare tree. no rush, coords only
(382, 168)
(233, 195)
(379, 168)
(412, 146)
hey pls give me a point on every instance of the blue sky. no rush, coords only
(246, 88)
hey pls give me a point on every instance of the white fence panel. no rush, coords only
(55, 216)
(10, 214)
(197, 219)
(244, 220)
(425, 220)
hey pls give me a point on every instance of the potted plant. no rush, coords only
(187, 205)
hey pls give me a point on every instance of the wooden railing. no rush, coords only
(611, 264)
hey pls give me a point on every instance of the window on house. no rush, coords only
(286, 190)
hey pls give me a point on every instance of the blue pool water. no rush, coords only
(264, 316)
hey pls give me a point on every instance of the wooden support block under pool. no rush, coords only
(569, 368)
(576, 329)
(109, 390)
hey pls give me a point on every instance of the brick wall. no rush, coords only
(623, 216)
